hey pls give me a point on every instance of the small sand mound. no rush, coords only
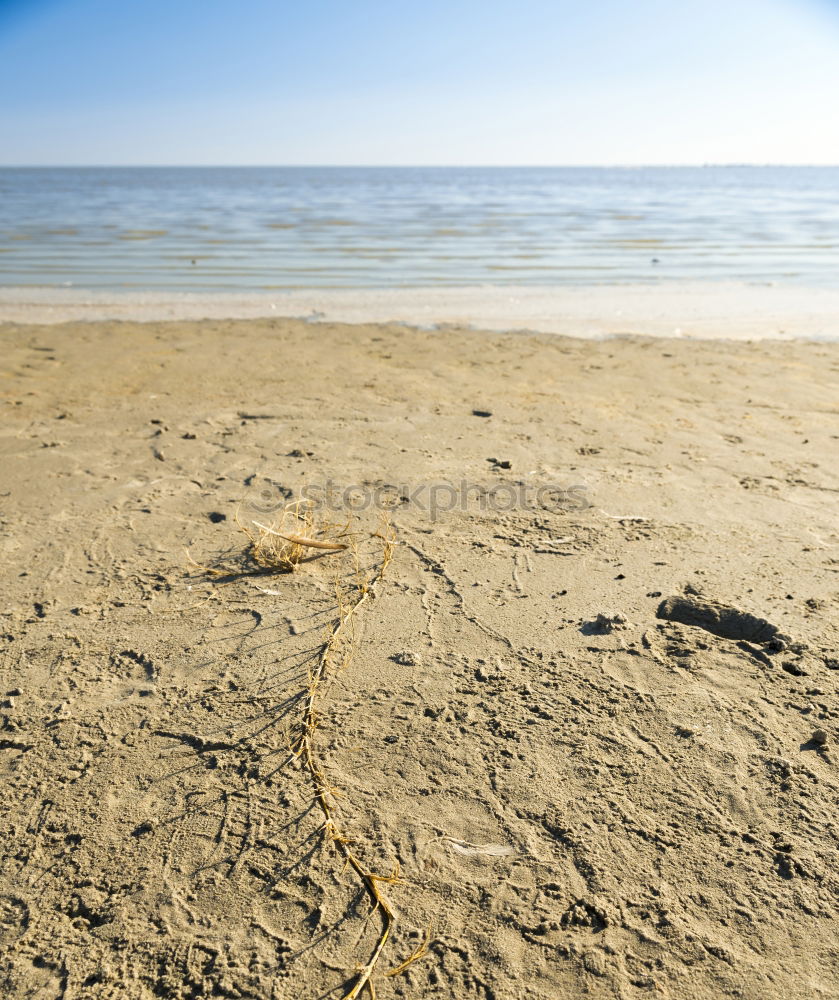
(718, 619)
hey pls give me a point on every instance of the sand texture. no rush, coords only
(593, 735)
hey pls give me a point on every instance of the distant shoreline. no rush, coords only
(693, 310)
(689, 165)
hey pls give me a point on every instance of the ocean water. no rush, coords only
(258, 228)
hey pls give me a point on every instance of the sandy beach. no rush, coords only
(565, 794)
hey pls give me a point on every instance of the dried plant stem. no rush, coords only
(307, 752)
(419, 952)
(312, 543)
(335, 653)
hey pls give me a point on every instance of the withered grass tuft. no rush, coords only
(297, 534)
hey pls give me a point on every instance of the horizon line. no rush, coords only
(410, 166)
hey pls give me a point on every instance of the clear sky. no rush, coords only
(419, 81)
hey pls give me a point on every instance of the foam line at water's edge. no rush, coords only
(707, 310)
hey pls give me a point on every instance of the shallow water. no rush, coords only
(251, 228)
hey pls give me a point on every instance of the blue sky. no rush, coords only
(434, 82)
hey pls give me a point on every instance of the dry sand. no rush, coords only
(582, 799)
